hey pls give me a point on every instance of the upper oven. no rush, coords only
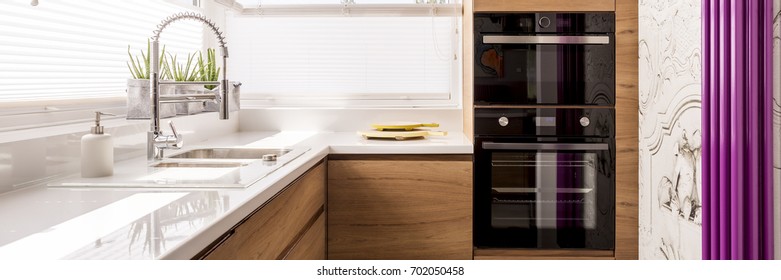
(544, 59)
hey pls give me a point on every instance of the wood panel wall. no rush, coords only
(468, 57)
(627, 139)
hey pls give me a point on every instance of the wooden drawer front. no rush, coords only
(269, 233)
(312, 245)
(544, 6)
(397, 209)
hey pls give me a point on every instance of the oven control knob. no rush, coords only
(544, 22)
(503, 121)
(584, 121)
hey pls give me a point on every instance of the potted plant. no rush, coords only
(186, 72)
(138, 101)
(209, 70)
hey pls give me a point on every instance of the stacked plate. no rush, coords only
(401, 131)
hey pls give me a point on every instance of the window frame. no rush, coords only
(31, 114)
(454, 99)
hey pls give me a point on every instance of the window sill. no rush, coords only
(18, 116)
(350, 104)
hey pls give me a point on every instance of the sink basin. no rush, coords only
(199, 164)
(230, 153)
(200, 168)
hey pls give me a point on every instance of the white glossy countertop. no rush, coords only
(171, 223)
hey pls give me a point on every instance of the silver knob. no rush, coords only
(269, 157)
(544, 22)
(584, 121)
(503, 121)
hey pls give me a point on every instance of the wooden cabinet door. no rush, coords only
(272, 231)
(404, 207)
(311, 246)
(544, 6)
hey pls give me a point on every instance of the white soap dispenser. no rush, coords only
(97, 151)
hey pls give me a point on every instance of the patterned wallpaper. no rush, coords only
(670, 141)
(670, 129)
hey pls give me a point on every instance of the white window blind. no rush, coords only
(62, 50)
(343, 57)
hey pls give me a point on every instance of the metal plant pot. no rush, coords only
(189, 108)
(139, 102)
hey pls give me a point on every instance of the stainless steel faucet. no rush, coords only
(157, 141)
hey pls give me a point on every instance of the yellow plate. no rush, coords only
(402, 125)
(400, 135)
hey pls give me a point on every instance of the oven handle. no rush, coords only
(546, 40)
(546, 146)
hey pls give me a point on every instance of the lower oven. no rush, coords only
(544, 178)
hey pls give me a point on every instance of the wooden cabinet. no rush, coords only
(627, 104)
(312, 244)
(544, 6)
(289, 225)
(400, 207)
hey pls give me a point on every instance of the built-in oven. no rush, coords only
(544, 178)
(544, 58)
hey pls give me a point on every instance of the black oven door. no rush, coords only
(537, 194)
(569, 62)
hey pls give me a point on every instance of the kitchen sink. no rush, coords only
(229, 153)
(200, 168)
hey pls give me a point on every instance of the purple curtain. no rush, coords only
(737, 134)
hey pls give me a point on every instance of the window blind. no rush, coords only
(387, 57)
(62, 50)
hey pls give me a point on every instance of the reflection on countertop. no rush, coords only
(149, 234)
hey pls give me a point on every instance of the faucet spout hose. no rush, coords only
(193, 16)
(156, 141)
(154, 87)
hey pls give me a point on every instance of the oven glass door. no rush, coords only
(544, 69)
(546, 195)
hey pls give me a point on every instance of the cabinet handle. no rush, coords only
(205, 252)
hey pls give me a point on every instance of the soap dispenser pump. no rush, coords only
(97, 151)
